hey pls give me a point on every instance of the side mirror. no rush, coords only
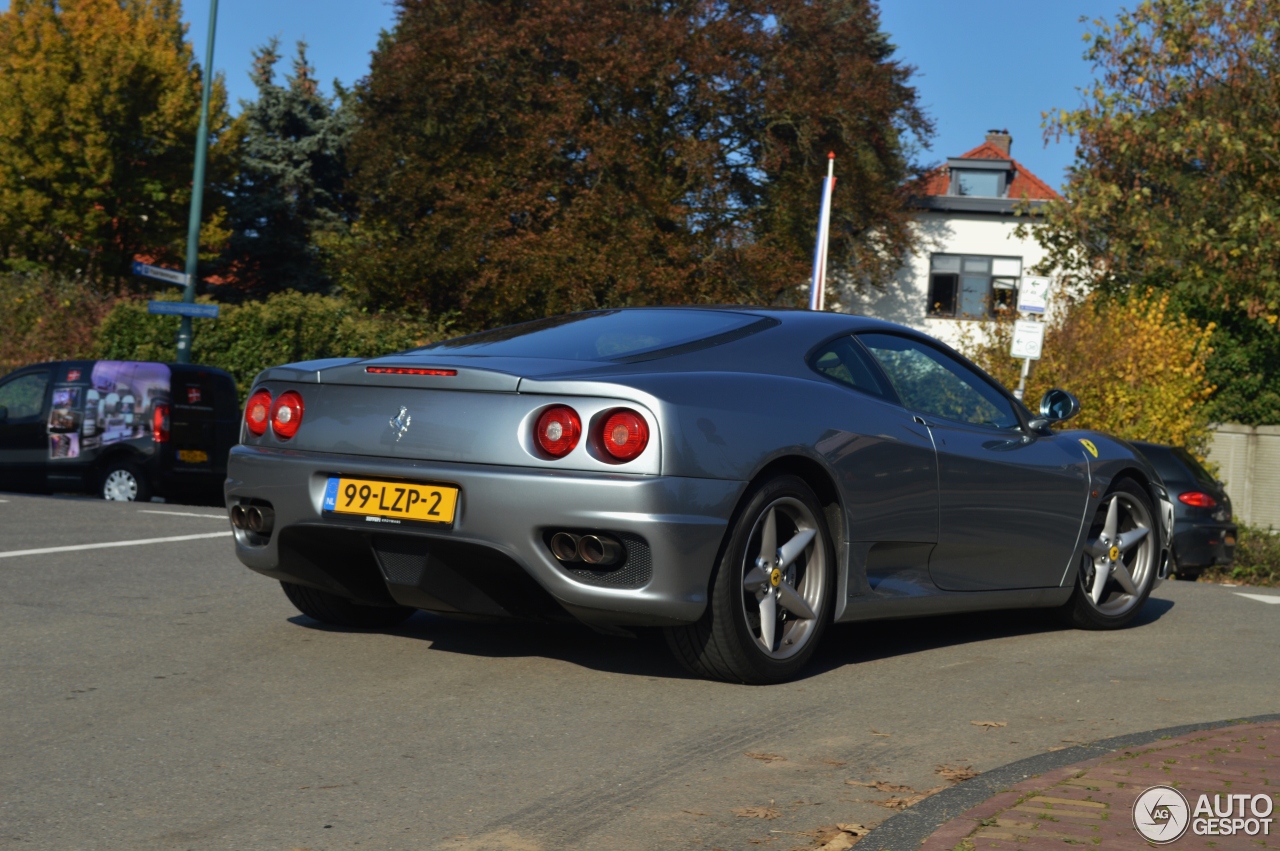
(1056, 406)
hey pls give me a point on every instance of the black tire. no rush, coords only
(339, 611)
(723, 644)
(1080, 611)
(123, 481)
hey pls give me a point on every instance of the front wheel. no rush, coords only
(772, 592)
(1119, 563)
(339, 611)
(124, 482)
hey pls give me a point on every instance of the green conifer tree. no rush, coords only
(289, 188)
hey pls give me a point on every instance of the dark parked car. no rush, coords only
(1203, 532)
(126, 430)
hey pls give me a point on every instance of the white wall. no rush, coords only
(1248, 461)
(905, 300)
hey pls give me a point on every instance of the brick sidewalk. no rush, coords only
(1091, 803)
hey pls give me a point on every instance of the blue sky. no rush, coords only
(982, 64)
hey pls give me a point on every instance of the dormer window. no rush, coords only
(983, 184)
(980, 178)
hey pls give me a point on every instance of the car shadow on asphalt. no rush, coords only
(646, 655)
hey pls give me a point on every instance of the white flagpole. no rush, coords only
(818, 286)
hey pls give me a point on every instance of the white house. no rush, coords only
(969, 262)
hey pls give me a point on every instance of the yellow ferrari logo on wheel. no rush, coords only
(775, 577)
(1088, 444)
(1114, 554)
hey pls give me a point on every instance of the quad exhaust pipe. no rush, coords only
(259, 519)
(595, 550)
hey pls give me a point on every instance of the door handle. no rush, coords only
(920, 421)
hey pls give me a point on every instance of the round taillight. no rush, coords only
(286, 415)
(558, 430)
(258, 412)
(1197, 499)
(625, 434)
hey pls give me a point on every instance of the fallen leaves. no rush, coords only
(897, 802)
(831, 837)
(766, 757)
(989, 725)
(770, 812)
(881, 786)
(955, 773)
(876, 732)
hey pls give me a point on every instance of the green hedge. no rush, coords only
(247, 338)
(1257, 559)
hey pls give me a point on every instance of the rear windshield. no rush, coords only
(608, 335)
(1175, 464)
(1201, 474)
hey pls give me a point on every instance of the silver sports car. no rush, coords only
(738, 477)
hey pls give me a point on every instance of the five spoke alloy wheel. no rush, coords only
(1118, 567)
(772, 594)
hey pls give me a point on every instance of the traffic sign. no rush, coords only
(182, 308)
(172, 276)
(1033, 294)
(1028, 339)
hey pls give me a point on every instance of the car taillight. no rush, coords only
(558, 430)
(257, 412)
(286, 414)
(160, 424)
(625, 434)
(1197, 499)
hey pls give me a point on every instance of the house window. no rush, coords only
(981, 184)
(972, 287)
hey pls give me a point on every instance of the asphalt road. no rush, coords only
(162, 696)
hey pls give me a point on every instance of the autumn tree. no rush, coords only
(291, 178)
(516, 159)
(99, 105)
(1176, 185)
(1138, 368)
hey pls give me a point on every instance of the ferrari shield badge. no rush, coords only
(1088, 444)
(400, 423)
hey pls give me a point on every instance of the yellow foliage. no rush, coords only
(1138, 371)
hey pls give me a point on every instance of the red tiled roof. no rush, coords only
(1025, 184)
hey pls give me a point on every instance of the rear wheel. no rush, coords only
(339, 611)
(772, 593)
(124, 482)
(1119, 564)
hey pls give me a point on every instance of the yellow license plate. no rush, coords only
(391, 500)
(193, 456)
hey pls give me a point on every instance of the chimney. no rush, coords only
(1001, 139)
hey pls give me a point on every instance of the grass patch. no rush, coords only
(1257, 559)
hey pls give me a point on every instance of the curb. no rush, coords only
(908, 830)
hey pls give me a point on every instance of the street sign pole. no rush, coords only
(197, 191)
(1028, 334)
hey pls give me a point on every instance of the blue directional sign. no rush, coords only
(172, 276)
(182, 308)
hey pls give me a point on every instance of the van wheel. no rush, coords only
(124, 482)
(339, 611)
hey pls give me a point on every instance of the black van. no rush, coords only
(126, 430)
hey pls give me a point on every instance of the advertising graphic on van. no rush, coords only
(118, 405)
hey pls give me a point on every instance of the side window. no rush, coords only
(24, 396)
(931, 382)
(843, 360)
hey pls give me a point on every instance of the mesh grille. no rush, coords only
(636, 569)
(402, 562)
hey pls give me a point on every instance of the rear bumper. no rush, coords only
(503, 519)
(1204, 545)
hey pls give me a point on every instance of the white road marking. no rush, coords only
(1273, 599)
(183, 514)
(139, 542)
